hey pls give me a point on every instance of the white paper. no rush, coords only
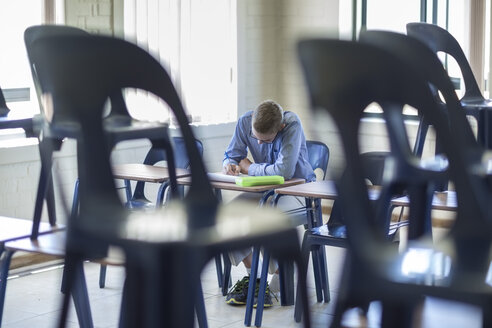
(221, 177)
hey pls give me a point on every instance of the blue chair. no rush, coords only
(138, 199)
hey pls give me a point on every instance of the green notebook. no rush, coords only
(259, 180)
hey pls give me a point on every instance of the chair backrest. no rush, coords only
(79, 73)
(422, 59)
(4, 109)
(440, 40)
(319, 155)
(342, 79)
(33, 33)
(156, 155)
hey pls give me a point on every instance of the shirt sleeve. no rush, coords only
(287, 157)
(237, 149)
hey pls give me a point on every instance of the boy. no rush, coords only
(277, 145)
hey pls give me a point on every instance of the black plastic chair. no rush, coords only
(118, 124)
(166, 251)
(16, 228)
(473, 102)
(342, 79)
(138, 200)
(334, 232)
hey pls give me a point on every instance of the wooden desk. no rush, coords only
(146, 173)
(324, 189)
(267, 190)
(445, 201)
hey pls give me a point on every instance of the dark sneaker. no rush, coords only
(238, 294)
(268, 295)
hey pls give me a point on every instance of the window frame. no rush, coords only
(359, 23)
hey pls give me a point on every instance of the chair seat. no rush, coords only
(13, 228)
(477, 103)
(119, 127)
(335, 232)
(115, 257)
(50, 244)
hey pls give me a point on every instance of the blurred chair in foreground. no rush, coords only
(165, 250)
(342, 79)
(118, 124)
(138, 199)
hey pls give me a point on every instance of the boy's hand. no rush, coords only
(244, 165)
(231, 169)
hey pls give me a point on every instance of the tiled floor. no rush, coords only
(34, 300)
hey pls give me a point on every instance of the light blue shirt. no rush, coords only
(286, 156)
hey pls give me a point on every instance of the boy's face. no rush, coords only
(263, 138)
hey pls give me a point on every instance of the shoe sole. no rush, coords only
(266, 306)
(233, 301)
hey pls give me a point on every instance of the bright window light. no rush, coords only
(195, 41)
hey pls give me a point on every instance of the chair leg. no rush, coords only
(252, 286)
(317, 273)
(201, 313)
(305, 255)
(286, 276)
(81, 297)
(397, 315)
(260, 302)
(102, 275)
(486, 317)
(76, 287)
(218, 268)
(4, 271)
(301, 285)
(324, 275)
(226, 276)
(50, 201)
(128, 191)
(45, 152)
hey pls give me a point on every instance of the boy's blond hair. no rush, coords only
(268, 117)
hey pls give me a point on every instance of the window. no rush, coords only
(393, 15)
(196, 41)
(15, 74)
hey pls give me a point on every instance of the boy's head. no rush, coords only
(267, 121)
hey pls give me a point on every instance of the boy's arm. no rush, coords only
(237, 149)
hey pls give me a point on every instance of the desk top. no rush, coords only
(445, 201)
(147, 173)
(232, 186)
(324, 189)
